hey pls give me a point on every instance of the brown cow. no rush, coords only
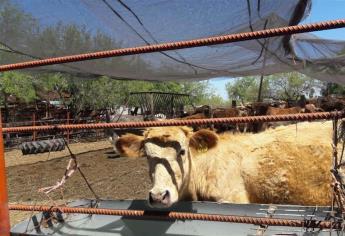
(276, 166)
(195, 116)
(311, 108)
(281, 111)
(330, 103)
(220, 113)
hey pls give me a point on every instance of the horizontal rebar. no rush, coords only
(172, 215)
(142, 124)
(333, 24)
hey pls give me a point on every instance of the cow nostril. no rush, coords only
(166, 195)
(150, 198)
(162, 197)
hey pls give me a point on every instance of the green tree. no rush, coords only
(291, 86)
(283, 86)
(214, 101)
(246, 89)
(17, 84)
(333, 89)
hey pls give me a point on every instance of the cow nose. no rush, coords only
(162, 197)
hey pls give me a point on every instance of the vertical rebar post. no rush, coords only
(4, 215)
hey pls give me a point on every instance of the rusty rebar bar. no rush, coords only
(333, 24)
(181, 216)
(231, 120)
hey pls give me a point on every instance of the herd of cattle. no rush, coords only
(262, 108)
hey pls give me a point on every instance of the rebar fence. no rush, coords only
(157, 48)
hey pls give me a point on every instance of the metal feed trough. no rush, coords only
(87, 224)
(155, 104)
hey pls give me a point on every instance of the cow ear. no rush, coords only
(130, 145)
(186, 130)
(203, 140)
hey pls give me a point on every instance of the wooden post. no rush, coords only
(68, 131)
(34, 124)
(4, 214)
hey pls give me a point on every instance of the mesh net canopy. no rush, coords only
(38, 29)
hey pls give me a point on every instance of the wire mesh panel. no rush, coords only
(159, 104)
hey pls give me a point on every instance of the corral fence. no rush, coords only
(140, 106)
(65, 117)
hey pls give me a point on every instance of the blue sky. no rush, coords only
(321, 10)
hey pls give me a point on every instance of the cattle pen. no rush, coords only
(133, 217)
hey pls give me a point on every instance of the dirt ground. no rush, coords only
(15, 157)
(111, 177)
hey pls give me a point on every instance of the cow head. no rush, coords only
(168, 152)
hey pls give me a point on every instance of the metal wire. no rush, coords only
(182, 216)
(333, 24)
(231, 120)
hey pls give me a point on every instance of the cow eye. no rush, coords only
(182, 152)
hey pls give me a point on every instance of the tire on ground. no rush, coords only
(42, 146)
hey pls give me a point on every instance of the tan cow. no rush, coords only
(276, 166)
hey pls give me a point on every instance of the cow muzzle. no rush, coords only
(160, 199)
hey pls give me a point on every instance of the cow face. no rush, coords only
(168, 152)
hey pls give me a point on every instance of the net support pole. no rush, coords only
(262, 72)
(4, 214)
(260, 88)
